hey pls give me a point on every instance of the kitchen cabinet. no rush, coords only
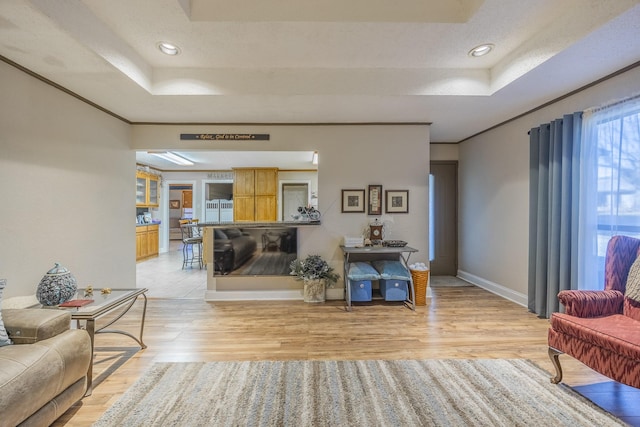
(147, 189)
(147, 242)
(187, 199)
(255, 194)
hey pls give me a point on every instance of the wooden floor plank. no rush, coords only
(458, 322)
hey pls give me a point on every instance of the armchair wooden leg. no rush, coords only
(554, 355)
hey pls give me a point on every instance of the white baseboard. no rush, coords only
(495, 288)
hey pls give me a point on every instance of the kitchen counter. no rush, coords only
(271, 224)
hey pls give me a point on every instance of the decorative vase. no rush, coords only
(57, 286)
(314, 290)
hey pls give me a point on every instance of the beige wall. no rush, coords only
(66, 174)
(68, 171)
(444, 152)
(351, 157)
(494, 192)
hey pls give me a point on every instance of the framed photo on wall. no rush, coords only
(375, 200)
(352, 201)
(397, 201)
(174, 204)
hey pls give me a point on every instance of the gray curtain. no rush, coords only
(553, 211)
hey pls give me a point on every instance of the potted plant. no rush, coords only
(316, 274)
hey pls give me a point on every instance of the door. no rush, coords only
(293, 196)
(445, 218)
(187, 199)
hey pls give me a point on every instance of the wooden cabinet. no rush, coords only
(154, 191)
(141, 242)
(147, 189)
(187, 199)
(255, 194)
(147, 241)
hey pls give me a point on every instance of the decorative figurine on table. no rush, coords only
(307, 213)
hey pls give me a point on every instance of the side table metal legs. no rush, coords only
(90, 326)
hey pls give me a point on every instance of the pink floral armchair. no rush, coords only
(602, 328)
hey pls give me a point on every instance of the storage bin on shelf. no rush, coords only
(420, 276)
(394, 279)
(359, 277)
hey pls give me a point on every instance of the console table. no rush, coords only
(374, 253)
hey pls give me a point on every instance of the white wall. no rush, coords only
(67, 178)
(494, 192)
(351, 157)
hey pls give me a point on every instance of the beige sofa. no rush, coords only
(44, 371)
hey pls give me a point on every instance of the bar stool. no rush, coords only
(191, 243)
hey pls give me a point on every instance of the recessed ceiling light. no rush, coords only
(481, 50)
(168, 48)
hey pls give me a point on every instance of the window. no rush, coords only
(610, 163)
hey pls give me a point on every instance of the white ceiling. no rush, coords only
(223, 160)
(333, 61)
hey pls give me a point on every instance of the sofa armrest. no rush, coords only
(30, 325)
(591, 303)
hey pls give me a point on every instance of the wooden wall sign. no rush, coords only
(225, 136)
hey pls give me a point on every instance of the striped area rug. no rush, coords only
(352, 393)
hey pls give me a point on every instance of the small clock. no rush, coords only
(375, 232)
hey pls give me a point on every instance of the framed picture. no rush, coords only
(352, 201)
(174, 204)
(397, 201)
(375, 200)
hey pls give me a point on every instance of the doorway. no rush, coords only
(445, 218)
(180, 206)
(294, 195)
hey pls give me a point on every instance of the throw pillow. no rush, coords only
(219, 234)
(232, 233)
(4, 337)
(632, 290)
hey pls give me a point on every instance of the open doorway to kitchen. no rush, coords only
(294, 194)
(180, 204)
(163, 275)
(210, 182)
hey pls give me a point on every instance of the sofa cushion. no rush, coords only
(232, 233)
(34, 374)
(30, 325)
(4, 337)
(632, 289)
(618, 333)
(219, 234)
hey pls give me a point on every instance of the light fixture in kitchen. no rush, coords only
(172, 157)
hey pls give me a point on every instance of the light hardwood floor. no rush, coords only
(459, 321)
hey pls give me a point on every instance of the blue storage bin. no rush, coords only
(360, 290)
(394, 290)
